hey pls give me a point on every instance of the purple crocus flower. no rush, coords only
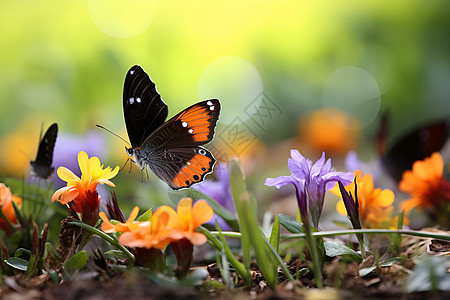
(311, 179)
(220, 191)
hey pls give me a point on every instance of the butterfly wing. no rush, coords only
(416, 145)
(143, 108)
(182, 167)
(174, 150)
(42, 166)
(194, 126)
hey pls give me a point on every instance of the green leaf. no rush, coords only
(104, 236)
(364, 271)
(212, 240)
(146, 216)
(17, 263)
(389, 262)
(219, 210)
(241, 201)
(333, 249)
(52, 250)
(22, 252)
(225, 270)
(290, 224)
(430, 274)
(275, 234)
(237, 265)
(54, 276)
(76, 262)
(117, 254)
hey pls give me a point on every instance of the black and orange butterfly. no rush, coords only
(171, 149)
(42, 166)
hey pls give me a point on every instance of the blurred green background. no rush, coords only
(65, 62)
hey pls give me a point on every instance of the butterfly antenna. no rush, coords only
(100, 126)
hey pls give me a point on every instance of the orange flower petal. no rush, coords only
(184, 212)
(196, 238)
(106, 226)
(58, 193)
(201, 213)
(408, 205)
(134, 213)
(386, 198)
(68, 195)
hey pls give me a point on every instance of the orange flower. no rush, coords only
(426, 184)
(165, 226)
(6, 205)
(375, 205)
(186, 219)
(81, 193)
(108, 227)
(330, 130)
(146, 234)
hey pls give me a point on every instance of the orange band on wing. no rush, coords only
(198, 120)
(193, 172)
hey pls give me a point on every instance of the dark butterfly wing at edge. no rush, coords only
(143, 108)
(416, 145)
(42, 166)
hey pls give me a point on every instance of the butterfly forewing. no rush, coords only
(194, 126)
(42, 166)
(144, 110)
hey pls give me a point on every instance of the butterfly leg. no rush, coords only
(123, 167)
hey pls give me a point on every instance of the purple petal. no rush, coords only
(298, 165)
(296, 155)
(352, 161)
(317, 167)
(279, 181)
(332, 177)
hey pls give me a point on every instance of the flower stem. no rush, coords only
(315, 256)
(105, 237)
(444, 237)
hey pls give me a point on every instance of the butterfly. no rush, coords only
(415, 145)
(171, 149)
(42, 166)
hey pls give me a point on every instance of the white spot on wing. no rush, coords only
(191, 130)
(131, 100)
(211, 107)
(138, 100)
(132, 72)
(184, 124)
(209, 103)
(188, 163)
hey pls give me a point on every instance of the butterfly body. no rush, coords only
(42, 166)
(171, 149)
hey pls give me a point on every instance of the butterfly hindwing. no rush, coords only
(182, 167)
(144, 110)
(42, 166)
